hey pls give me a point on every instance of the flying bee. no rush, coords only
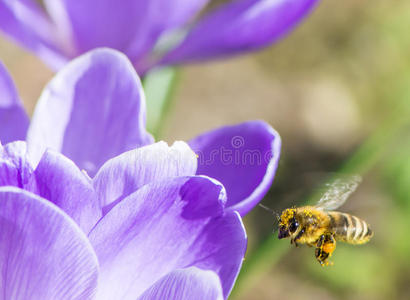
(320, 226)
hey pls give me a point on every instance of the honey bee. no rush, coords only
(321, 227)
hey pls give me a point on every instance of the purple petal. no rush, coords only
(56, 179)
(243, 157)
(186, 284)
(127, 172)
(15, 168)
(13, 119)
(60, 181)
(43, 253)
(240, 26)
(132, 27)
(25, 22)
(93, 110)
(165, 226)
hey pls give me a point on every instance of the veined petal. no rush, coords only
(186, 284)
(127, 172)
(43, 253)
(132, 27)
(26, 23)
(163, 226)
(59, 180)
(93, 110)
(15, 168)
(240, 26)
(243, 158)
(13, 119)
(55, 179)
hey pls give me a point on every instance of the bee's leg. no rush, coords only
(324, 248)
(297, 237)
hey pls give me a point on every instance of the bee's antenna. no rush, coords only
(269, 210)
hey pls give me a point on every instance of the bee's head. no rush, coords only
(288, 224)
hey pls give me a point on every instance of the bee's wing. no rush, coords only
(338, 192)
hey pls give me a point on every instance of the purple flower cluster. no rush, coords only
(92, 208)
(149, 32)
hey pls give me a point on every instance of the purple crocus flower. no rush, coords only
(139, 28)
(171, 236)
(91, 208)
(94, 110)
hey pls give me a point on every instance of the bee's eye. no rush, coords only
(293, 225)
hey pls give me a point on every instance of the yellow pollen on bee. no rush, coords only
(286, 216)
(307, 213)
(329, 248)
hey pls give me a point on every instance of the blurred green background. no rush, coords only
(338, 91)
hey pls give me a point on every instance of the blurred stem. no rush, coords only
(257, 265)
(159, 86)
(371, 151)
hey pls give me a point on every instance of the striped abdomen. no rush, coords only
(350, 229)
